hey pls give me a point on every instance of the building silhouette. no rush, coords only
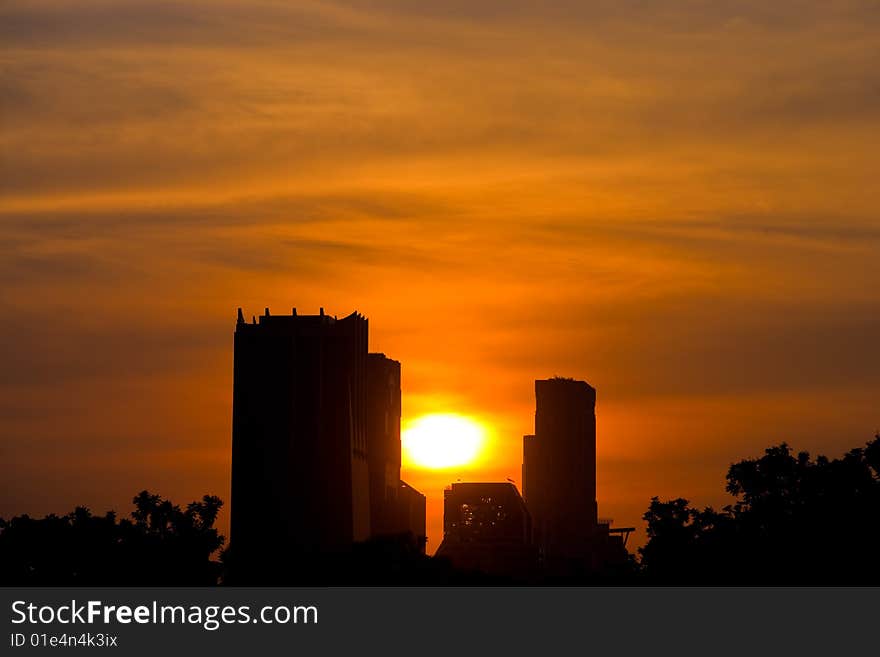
(410, 513)
(395, 507)
(308, 403)
(487, 528)
(559, 482)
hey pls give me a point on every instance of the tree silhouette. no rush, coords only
(162, 544)
(794, 521)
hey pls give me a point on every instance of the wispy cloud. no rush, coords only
(674, 201)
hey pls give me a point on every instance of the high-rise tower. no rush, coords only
(299, 455)
(315, 445)
(559, 473)
(383, 440)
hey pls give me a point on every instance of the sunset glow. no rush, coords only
(440, 441)
(508, 191)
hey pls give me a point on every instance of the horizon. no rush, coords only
(482, 466)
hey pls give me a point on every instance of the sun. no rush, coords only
(442, 440)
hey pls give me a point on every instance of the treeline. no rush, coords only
(794, 520)
(161, 544)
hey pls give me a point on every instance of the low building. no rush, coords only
(487, 528)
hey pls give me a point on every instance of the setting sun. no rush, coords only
(442, 440)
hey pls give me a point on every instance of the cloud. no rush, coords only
(673, 201)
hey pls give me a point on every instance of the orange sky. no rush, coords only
(674, 202)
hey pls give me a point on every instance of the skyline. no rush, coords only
(509, 192)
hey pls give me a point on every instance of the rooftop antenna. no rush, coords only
(240, 317)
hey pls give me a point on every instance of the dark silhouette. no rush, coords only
(317, 498)
(487, 528)
(794, 521)
(161, 544)
(316, 465)
(315, 446)
(387, 560)
(559, 483)
(395, 507)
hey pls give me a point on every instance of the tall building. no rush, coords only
(559, 474)
(487, 528)
(315, 443)
(395, 508)
(299, 462)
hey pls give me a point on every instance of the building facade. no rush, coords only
(395, 507)
(299, 464)
(383, 440)
(487, 528)
(315, 442)
(559, 474)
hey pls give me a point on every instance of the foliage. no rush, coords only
(161, 544)
(794, 520)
